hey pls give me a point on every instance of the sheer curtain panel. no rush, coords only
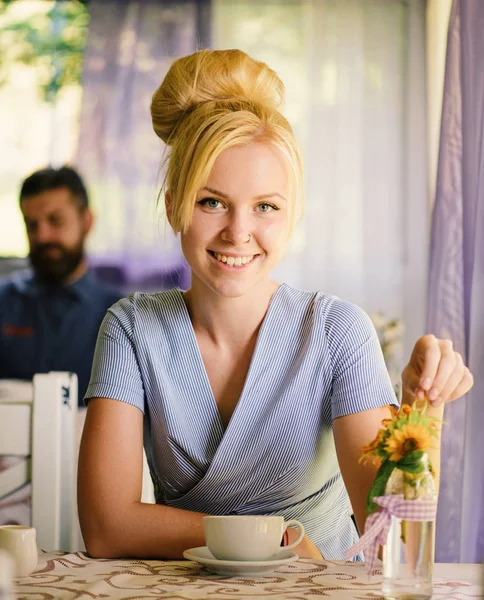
(456, 288)
(131, 44)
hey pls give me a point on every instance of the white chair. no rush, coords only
(42, 426)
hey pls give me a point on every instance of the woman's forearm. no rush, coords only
(142, 530)
(114, 523)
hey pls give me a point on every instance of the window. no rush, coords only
(41, 44)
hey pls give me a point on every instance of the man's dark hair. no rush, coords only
(53, 179)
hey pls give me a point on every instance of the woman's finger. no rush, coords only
(425, 361)
(444, 371)
(464, 386)
(452, 382)
(423, 364)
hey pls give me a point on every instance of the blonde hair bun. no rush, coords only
(213, 76)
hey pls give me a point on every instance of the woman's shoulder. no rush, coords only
(334, 322)
(142, 301)
(147, 309)
(332, 309)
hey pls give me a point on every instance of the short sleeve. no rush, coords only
(360, 377)
(115, 370)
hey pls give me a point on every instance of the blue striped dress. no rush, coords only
(317, 358)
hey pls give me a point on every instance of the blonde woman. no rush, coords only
(250, 397)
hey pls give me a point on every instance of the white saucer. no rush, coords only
(203, 556)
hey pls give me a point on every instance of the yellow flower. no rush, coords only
(407, 439)
(370, 451)
(406, 409)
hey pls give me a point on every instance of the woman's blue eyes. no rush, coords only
(265, 207)
(212, 203)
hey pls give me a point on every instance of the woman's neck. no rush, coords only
(228, 321)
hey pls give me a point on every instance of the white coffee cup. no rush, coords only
(19, 542)
(6, 575)
(247, 537)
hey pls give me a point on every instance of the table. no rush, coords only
(75, 575)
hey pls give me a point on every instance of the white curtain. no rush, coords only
(355, 81)
(130, 46)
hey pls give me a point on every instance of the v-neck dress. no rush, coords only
(317, 358)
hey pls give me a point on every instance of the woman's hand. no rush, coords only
(306, 548)
(435, 370)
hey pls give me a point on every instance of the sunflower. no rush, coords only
(407, 439)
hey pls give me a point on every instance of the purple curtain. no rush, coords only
(456, 286)
(131, 44)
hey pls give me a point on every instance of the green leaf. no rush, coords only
(378, 487)
(412, 462)
(411, 457)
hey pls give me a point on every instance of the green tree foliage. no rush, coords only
(51, 41)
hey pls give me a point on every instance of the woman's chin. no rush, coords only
(234, 289)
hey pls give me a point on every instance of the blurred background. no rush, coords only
(364, 82)
(76, 79)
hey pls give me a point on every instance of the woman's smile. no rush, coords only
(232, 262)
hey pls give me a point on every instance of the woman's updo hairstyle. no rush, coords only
(212, 100)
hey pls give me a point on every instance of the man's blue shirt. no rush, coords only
(50, 327)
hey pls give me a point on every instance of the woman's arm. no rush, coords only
(438, 372)
(114, 522)
(434, 370)
(351, 433)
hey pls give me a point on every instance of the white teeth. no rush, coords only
(231, 261)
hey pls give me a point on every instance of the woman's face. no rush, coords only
(240, 223)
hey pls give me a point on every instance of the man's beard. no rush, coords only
(56, 269)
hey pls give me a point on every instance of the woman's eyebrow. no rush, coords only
(212, 191)
(271, 195)
(261, 197)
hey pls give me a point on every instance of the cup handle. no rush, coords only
(300, 526)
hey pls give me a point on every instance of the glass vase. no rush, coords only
(408, 555)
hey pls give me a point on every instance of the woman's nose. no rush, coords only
(237, 232)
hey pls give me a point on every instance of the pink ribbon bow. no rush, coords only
(378, 523)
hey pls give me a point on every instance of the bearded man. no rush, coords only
(49, 318)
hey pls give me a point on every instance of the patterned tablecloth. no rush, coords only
(66, 576)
